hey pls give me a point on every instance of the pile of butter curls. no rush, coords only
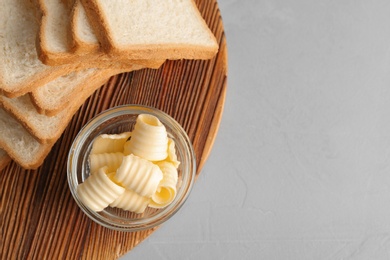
(132, 170)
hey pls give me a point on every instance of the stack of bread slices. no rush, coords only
(56, 53)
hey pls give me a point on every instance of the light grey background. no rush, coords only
(300, 168)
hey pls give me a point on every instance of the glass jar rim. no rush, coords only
(188, 167)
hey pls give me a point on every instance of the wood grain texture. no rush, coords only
(38, 216)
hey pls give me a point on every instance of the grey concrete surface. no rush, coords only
(300, 168)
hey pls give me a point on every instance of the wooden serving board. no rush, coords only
(39, 218)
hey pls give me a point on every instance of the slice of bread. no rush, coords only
(51, 98)
(31, 123)
(47, 129)
(53, 44)
(82, 39)
(4, 159)
(54, 40)
(16, 138)
(22, 147)
(151, 29)
(20, 70)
